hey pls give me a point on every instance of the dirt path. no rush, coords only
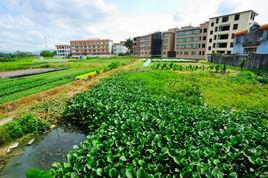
(14, 108)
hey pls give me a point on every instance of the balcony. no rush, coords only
(252, 39)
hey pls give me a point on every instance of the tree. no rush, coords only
(46, 53)
(129, 44)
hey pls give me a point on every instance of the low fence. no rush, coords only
(253, 61)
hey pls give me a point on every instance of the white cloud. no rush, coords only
(25, 23)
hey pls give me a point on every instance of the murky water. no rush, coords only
(46, 150)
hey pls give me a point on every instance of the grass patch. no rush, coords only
(22, 126)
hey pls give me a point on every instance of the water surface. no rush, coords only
(46, 150)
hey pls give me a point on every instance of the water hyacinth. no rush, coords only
(132, 134)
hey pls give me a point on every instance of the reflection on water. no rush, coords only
(46, 150)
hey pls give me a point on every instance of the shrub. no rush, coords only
(27, 124)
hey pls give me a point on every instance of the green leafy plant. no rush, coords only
(131, 133)
(36, 173)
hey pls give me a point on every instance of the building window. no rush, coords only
(217, 20)
(216, 29)
(237, 16)
(228, 52)
(181, 52)
(203, 45)
(232, 36)
(186, 53)
(210, 40)
(212, 24)
(211, 32)
(214, 45)
(204, 38)
(215, 37)
(193, 53)
(252, 17)
(235, 27)
(225, 19)
(205, 30)
(231, 44)
(209, 48)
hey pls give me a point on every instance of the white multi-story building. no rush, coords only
(63, 51)
(222, 28)
(119, 48)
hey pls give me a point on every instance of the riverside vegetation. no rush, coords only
(163, 123)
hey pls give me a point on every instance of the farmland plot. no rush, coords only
(145, 124)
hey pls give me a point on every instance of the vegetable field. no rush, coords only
(14, 88)
(157, 123)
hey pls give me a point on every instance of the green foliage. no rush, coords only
(27, 124)
(14, 88)
(243, 63)
(262, 75)
(14, 56)
(112, 66)
(46, 53)
(218, 68)
(132, 134)
(36, 173)
(129, 44)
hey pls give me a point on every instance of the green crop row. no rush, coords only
(173, 66)
(20, 87)
(134, 134)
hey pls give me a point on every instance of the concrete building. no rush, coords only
(63, 51)
(191, 41)
(119, 48)
(148, 46)
(145, 46)
(136, 46)
(254, 40)
(91, 47)
(168, 43)
(222, 28)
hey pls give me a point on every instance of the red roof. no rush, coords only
(240, 33)
(264, 27)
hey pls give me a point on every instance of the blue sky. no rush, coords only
(24, 24)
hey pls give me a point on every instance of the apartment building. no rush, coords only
(191, 41)
(136, 47)
(148, 45)
(222, 28)
(145, 46)
(119, 48)
(63, 51)
(91, 47)
(168, 43)
(254, 40)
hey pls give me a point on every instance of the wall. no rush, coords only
(254, 61)
(263, 48)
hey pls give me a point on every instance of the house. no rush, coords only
(222, 28)
(191, 41)
(119, 48)
(63, 51)
(254, 40)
